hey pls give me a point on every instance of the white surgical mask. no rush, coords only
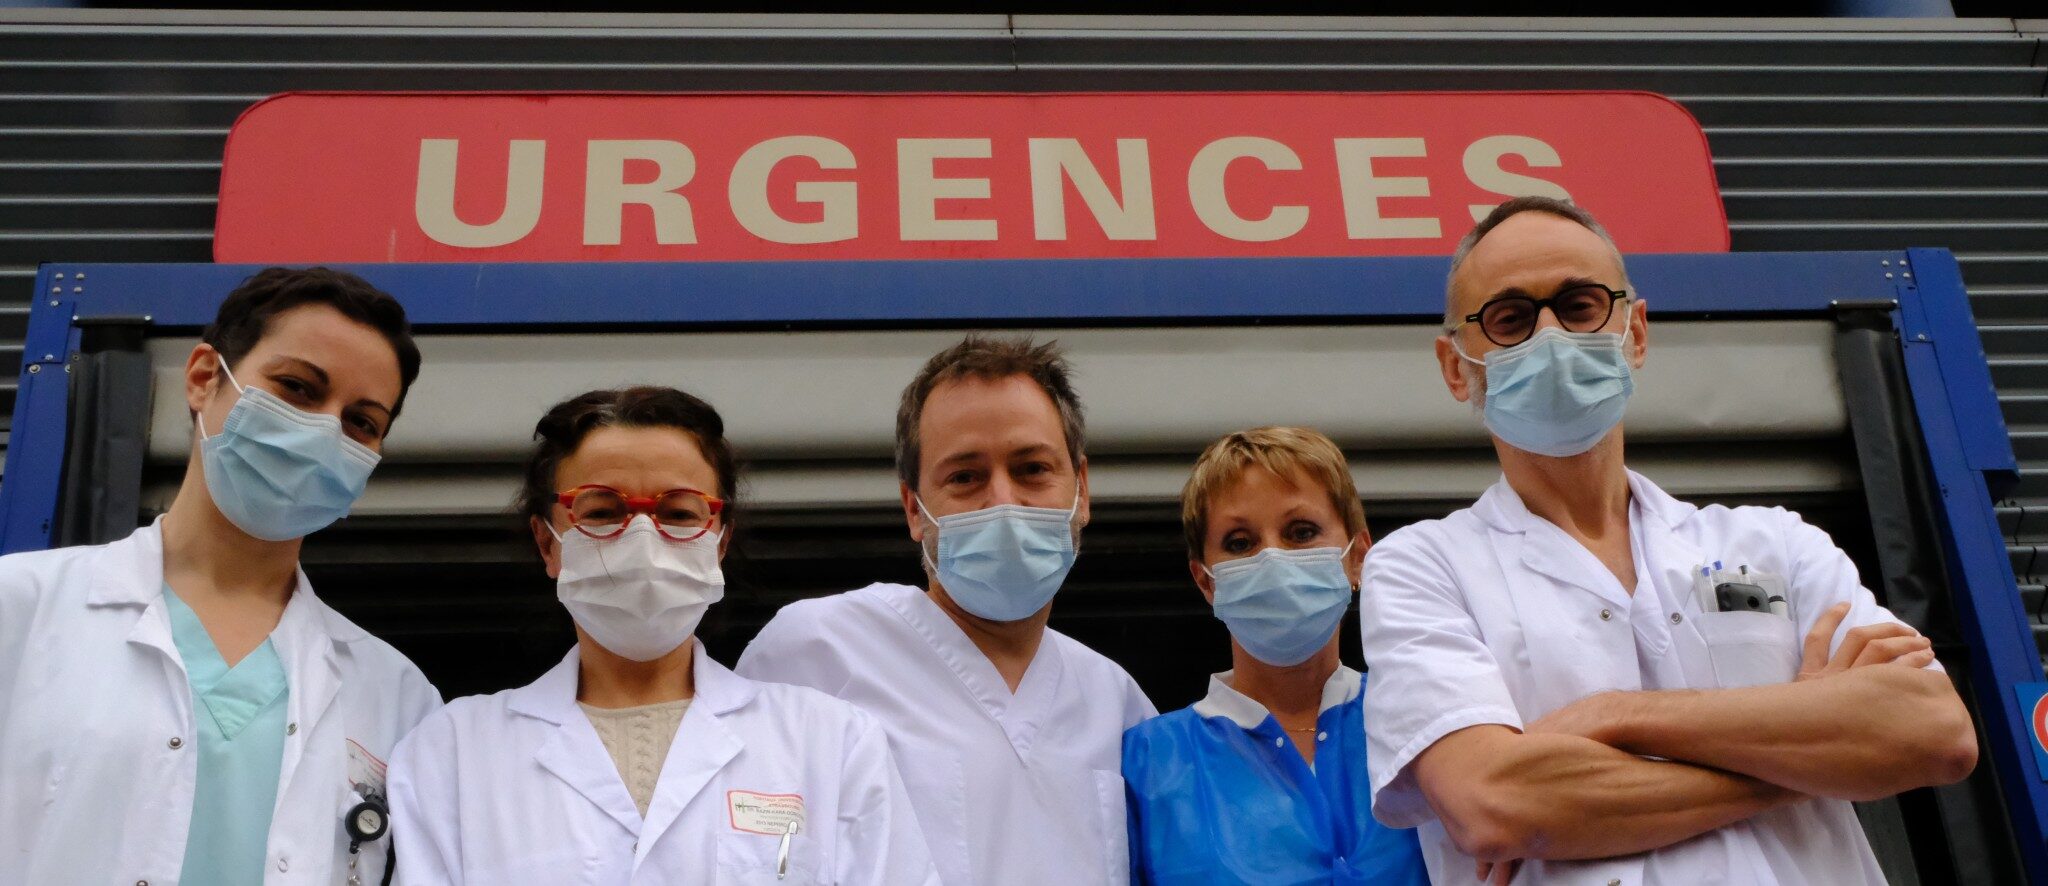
(637, 593)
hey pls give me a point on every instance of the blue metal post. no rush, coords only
(35, 444)
(1970, 455)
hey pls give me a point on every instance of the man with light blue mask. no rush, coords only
(1581, 679)
(178, 706)
(1264, 779)
(1006, 731)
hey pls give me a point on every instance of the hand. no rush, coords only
(1498, 873)
(1590, 717)
(1875, 644)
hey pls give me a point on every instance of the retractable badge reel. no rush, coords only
(367, 822)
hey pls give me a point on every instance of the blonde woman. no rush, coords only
(1264, 781)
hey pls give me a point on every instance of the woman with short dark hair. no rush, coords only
(177, 706)
(638, 758)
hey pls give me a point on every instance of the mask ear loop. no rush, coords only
(1347, 555)
(923, 553)
(223, 363)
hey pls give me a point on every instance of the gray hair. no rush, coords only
(1561, 208)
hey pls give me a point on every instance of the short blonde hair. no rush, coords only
(1280, 450)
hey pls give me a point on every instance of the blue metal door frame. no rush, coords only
(1964, 432)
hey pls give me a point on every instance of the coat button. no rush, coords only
(142, 883)
(1606, 614)
(283, 864)
(291, 728)
(1614, 882)
(176, 742)
(1676, 618)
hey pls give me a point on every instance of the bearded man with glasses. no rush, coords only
(1581, 679)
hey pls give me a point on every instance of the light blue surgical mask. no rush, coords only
(280, 473)
(1003, 563)
(1281, 605)
(1559, 392)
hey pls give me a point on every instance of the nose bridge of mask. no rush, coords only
(1304, 555)
(253, 400)
(1589, 340)
(640, 548)
(996, 514)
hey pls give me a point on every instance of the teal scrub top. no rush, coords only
(240, 717)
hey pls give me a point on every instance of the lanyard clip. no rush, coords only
(782, 854)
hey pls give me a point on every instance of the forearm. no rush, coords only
(1566, 797)
(1864, 734)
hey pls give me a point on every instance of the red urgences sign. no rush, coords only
(375, 177)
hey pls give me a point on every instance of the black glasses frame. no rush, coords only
(1536, 308)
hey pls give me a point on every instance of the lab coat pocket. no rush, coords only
(1109, 794)
(1750, 648)
(754, 860)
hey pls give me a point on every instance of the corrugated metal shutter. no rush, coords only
(1829, 134)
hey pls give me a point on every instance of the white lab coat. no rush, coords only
(1016, 788)
(517, 788)
(1494, 615)
(96, 716)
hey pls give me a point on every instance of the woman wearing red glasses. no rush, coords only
(638, 759)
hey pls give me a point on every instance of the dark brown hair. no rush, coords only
(244, 317)
(989, 358)
(565, 426)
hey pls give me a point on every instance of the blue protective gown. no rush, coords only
(1217, 795)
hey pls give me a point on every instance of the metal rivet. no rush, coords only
(1906, 274)
(60, 275)
(77, 289)
(80, 275)
(34, 368)
(1885, 262)
(1676, 618)
(53, 304)
(176, 742)
(56, 290)
(1887, 275)
(48, 357)
(1606, 614)
(1920, 337)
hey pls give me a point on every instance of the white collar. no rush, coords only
(1237, 707)
(553, 697)
(134, 576)
(1504, 509)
